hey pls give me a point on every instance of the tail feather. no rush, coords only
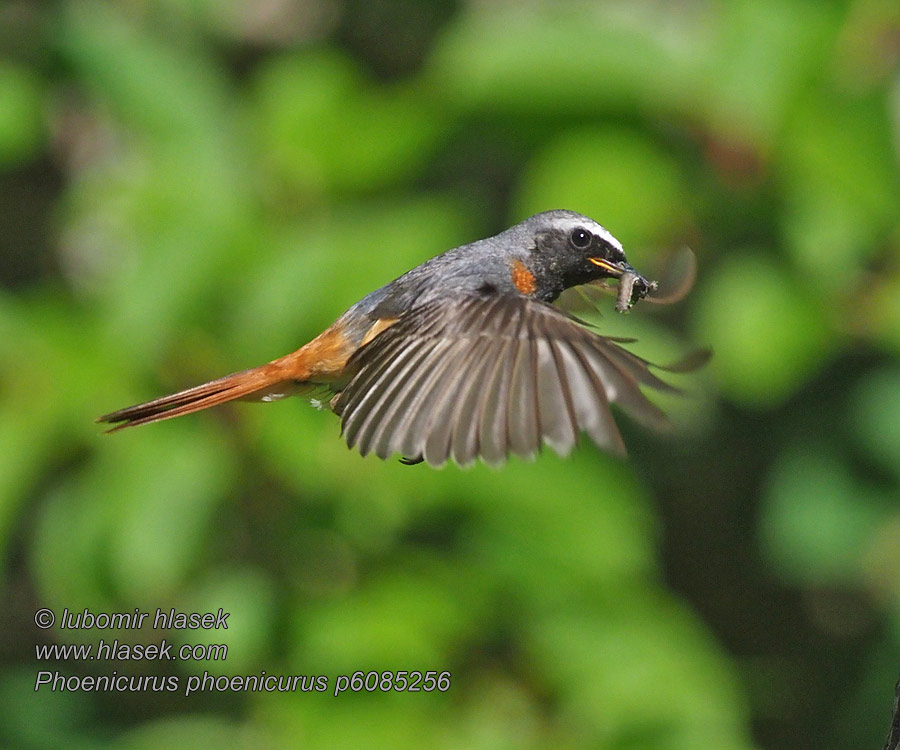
(256, 383)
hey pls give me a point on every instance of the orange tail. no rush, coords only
(267, 380)
(322, 360)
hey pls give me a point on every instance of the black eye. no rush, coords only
(580, 238)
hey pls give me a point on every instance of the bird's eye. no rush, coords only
(580, 238)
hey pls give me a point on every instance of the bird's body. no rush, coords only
(463, 356)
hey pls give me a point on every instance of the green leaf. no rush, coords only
(767, 333)
(321, 129)
(818, 520)
(874, 414)
(21, 116)
(616, 176)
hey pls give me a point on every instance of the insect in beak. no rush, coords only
(632, 285)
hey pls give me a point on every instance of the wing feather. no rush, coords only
(488, 375)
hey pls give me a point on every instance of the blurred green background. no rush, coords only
(191, 187)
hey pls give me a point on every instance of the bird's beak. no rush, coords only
(613, 269)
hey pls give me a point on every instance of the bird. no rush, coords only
(465, 356)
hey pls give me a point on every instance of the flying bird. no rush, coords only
(464, 356)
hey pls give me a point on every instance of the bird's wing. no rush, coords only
(489, 375)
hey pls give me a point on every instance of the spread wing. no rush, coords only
(485, 376)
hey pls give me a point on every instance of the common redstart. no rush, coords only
(465, 356)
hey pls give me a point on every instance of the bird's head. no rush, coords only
(567, 249)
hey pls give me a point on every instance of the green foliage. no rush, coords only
(767, 332)
(321, 127)
(623, 165)
(819, 522)
(21, 128)
(205, 186)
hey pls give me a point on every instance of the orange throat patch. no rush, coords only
(522, 278)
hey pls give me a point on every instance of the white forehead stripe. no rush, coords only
(593, 227)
